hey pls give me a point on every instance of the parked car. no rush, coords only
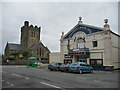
(67, 67)
(64, 67)
(80, 67)
(54, 66)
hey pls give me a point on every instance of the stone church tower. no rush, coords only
(30, 39)
(29, 35)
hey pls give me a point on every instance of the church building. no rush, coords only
(30, 39)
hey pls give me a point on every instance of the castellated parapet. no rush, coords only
(29, 35)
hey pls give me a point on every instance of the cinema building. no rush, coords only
(91, 44)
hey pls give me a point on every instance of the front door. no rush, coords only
(67, 61)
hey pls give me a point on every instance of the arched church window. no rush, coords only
(80, 43)
(31, 34)
(34, 34)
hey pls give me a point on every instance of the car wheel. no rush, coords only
(56, 69)
(66, 71)
(91, 71)
(51, 70)
(80, 71)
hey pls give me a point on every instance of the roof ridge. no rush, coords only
(93, 26)
(14, 43)
(86, 25)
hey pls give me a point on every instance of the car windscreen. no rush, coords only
(62, 64)
(51, 64)
(84, 65)
(59, 63)
(74, 64)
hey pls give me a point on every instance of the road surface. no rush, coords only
(24, 77)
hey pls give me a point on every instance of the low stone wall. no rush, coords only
(44, 65)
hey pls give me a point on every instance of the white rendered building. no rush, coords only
(91, 44)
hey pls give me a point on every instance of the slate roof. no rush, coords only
(37, 44)
(87, 29)
(13, 46)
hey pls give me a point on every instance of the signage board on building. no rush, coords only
(68, 56)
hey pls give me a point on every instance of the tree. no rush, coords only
(16, 54)
(25, 52)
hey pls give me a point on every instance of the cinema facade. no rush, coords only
(86, 43)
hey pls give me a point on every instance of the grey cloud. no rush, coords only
(54, 18)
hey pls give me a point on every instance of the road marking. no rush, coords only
(11, 85)
(49, 85)
(20, 76)
(3, 72)
(97, 81)
(7, 82)
(6, 87)
(26, 78)
(16, 75)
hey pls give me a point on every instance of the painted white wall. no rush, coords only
(55, 57)
(108, 48)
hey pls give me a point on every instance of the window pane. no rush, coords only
(94, 43)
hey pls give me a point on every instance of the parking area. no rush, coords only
(41, 77)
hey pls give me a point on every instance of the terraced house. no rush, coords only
(87, 43)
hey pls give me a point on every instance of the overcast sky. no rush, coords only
(54, 18)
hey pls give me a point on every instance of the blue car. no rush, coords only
(80, 67)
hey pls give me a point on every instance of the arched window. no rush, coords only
(31, 34)
(80, 43)
(34, 34)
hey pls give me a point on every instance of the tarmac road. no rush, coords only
(24, 77)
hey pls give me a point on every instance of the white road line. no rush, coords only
(7, 82)
(11, 85)
(3, 72)
(50, 85)
(7, 87)
(20, 76)
(26, 78)
(16, 75)
(97, 81)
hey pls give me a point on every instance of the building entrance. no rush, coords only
(79, 59)
(67, 61)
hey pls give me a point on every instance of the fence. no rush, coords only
(15, 62)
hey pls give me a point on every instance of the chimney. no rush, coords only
(79, 22)
(106, 26)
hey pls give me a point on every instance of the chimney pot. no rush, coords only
(80, 20)
(62, 34)
(106, 25)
